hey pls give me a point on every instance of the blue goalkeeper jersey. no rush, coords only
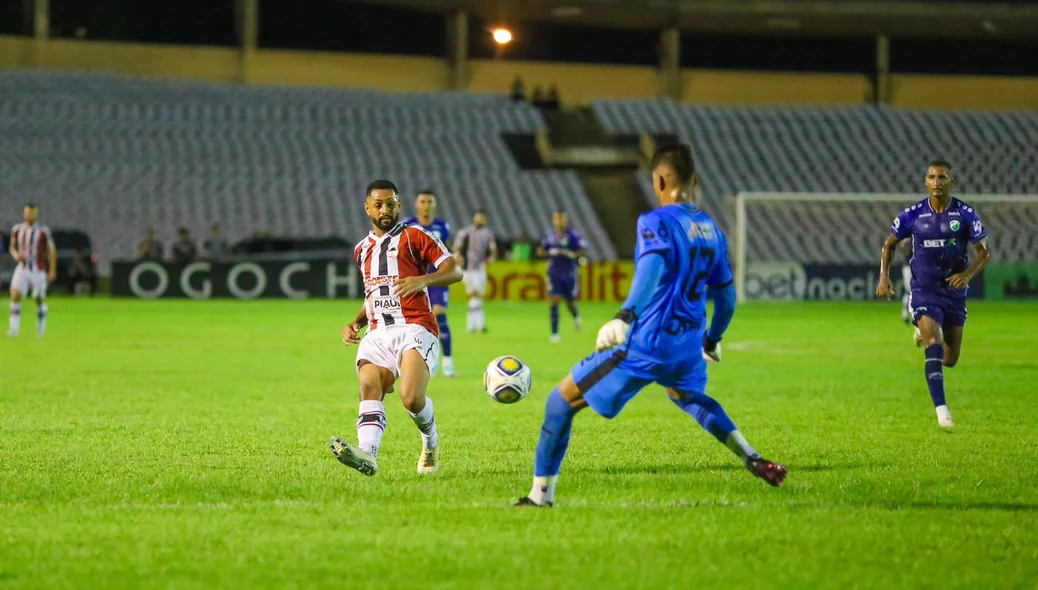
(696, 255)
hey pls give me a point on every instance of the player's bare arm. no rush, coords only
(52, 262)
(885, 289)
(962, 279)
(446, 274)
(492, 258)
(351, 332)
(14, 251)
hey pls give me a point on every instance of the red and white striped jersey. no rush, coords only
(31, 242)
(404, 251)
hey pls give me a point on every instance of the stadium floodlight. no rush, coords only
(502, 36)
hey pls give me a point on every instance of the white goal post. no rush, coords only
(740, 253)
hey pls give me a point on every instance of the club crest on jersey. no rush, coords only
(703, 229)
(954, 225)
(648, 235)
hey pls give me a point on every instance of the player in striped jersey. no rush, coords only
(401, 340)
(476, 249)
(37, 262)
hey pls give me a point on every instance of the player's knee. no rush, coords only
(16, 296)
(439, 310)
(951, 357)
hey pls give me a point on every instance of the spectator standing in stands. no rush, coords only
(518, 89)
(216, 246)
(184, 249)
(553, 101)
(522, 249)
(150, 248)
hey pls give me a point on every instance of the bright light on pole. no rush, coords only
(502, 36)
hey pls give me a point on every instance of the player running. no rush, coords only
(37, 265)
(660, 334)
(564, 247)
(940, 227)
(401, 339)
(425, 206)
(475, 248)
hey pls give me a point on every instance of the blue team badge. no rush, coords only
(663, 233)
(955, 225)
(648, 235)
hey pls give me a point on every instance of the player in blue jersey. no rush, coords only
(564, 247)
(660, 335)
(941, 228)
(425, 206)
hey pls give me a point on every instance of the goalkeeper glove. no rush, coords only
(614, 332)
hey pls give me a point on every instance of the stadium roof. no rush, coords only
(902, 18)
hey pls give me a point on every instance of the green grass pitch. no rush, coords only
(184, 444)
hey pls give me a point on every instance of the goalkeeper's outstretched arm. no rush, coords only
(647, 272)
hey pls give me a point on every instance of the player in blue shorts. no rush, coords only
(941, 228)
(425, 206)
(564, 247)
(660, 335)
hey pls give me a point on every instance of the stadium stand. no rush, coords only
(859, 149)
(115, 156)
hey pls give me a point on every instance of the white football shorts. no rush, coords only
(28, 282)
(475, 281)
(385, 346)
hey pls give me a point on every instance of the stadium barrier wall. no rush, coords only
(792, 281)
(578, 82)
(309, 279)
(1011, 281)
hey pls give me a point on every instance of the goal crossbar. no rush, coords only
(741, 219)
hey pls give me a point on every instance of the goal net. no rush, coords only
(817, 246)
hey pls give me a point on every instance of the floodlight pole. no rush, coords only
(458, 50)
(670, 63)
(40, 30)
(881, 85)
(248, 36)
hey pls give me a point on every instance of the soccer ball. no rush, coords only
(507, 379)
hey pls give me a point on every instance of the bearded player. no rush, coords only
(401, 340)
(32, 248)
(941, 227)
(425, 206)
(660, 335)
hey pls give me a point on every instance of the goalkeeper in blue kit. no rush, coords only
(660, 335)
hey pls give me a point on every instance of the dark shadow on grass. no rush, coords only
(677, 468)
(961, 507)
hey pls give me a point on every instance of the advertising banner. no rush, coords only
(1011, 281)
(309, 279)
(527, 281)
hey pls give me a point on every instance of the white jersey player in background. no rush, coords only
(37, 263)
(475, 248)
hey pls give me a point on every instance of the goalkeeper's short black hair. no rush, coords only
(679, 156)
(940, 163)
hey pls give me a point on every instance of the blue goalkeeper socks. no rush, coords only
(554, 320)
(554, 440)
(710, 415)
(445, 334)
(935, 373)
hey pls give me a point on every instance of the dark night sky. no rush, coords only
(342, 25)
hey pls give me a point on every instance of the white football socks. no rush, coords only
(371, 423)
(737, 443)
(543, 490)
(41, 319)
(426, 423)
(15, 320)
